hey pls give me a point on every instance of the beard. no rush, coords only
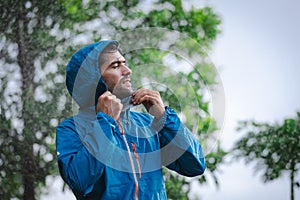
(122, 88)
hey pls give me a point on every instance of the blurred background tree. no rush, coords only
(31, 105)
(38, 38)
(273, 147)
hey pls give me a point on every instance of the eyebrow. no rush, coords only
(116, 61)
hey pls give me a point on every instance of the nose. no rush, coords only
(126, 70)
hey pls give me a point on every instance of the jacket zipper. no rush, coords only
(131, 161)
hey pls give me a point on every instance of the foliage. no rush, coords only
(274, 148)
(37, 39)
(30, 104)
(178, 186)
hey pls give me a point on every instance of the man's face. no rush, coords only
(116, 74)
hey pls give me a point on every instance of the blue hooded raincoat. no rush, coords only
(99, 161)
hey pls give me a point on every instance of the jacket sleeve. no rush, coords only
(181, 151)
(77, 163)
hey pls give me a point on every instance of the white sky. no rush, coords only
(258, 59)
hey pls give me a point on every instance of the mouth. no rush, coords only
(127, 81)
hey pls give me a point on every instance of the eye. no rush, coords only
(116, 65)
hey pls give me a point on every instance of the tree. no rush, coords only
(37, 39)
(30, 104)
(274, 148)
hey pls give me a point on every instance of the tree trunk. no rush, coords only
(292, 184)
(27, 71)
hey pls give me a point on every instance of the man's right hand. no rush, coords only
(110, 105)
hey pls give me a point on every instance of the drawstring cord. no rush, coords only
(131, 161)
(137, 158)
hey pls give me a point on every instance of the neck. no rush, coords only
(127, 103)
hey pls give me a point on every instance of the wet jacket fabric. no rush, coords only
(100, 158)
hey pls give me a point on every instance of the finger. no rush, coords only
(116, 99)
(112, 99)
(154, 100)
(140, 93)
(151, 96)
(136, 94)
(105, 94)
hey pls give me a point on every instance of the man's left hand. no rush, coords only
(151, 100)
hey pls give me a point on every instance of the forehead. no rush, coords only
(106, 58)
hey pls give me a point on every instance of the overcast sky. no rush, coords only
(257, 56)
(258, 59)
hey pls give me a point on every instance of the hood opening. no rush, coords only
(83, 77)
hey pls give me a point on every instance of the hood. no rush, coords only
(83, 78)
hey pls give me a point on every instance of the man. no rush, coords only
(107, 151)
